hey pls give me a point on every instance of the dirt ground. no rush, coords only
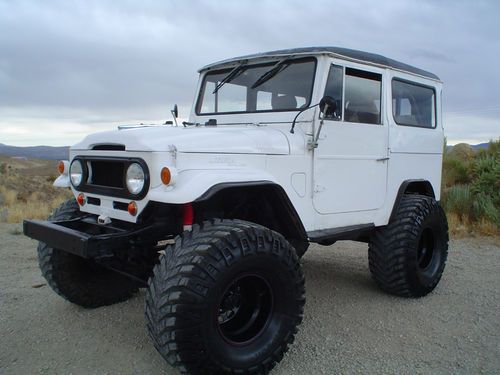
(349, 325)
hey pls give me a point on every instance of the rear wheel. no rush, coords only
(226, 298)
(407, 257)
(81, 281)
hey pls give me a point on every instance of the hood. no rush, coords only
(230, 139)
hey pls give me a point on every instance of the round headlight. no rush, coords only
(135, 178)
(76, 173)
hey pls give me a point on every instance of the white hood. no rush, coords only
(217, 139)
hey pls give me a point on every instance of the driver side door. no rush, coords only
(350, 162)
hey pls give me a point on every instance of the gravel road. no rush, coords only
(349, 325)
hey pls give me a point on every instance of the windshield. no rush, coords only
(277, 86)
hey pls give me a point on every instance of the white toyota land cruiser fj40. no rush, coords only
(282, 149)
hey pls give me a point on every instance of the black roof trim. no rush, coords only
(346, 52)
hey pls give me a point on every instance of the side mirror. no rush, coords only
(327, 105)
(175, 113)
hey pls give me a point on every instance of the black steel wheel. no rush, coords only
(245, 309)
(407, 257)
(226, 298)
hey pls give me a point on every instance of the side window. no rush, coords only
(362, 96)
(334, 89)
(413, 104)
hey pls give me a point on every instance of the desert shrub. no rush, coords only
(486, 172)
(455, 171)
(462, 151)
(471, 189)
(9, 197)
(493, 149)
(458, 200)
(483, 208)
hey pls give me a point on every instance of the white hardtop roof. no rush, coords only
(342, 53)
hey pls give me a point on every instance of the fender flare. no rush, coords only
(279, 193)
(420, 186)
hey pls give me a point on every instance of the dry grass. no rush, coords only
(26, 190)
(461, 226)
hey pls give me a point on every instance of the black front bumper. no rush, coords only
(85, 238)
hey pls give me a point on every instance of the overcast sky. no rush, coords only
(70, 68)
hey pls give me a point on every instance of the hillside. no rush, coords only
(479, 146)
(26, 189)
(35, 152)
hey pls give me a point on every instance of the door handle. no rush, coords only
(382, 159)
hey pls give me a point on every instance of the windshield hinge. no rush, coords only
(311, 144)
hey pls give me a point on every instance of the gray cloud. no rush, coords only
(82, 66)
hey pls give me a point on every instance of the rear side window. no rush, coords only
(413, 104)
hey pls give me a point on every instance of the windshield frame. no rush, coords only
(270, 63)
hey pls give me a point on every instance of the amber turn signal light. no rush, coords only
(80, 199)
(166, 175)
(132, 208)
(60, 167)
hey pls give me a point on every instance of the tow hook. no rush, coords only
(103, 220)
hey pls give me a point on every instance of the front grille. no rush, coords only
(106, 176)
(107, 173)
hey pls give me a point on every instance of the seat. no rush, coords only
(363, 111)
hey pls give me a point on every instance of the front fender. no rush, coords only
(62, 181)
(193, 184)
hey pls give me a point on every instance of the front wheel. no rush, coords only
(226, 298)
(81, 281)
(407, 257)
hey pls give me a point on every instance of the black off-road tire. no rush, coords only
(79, 280)
(407, 257)
(202, 292)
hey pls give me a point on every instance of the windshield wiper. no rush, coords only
(278, 67)
(231, 75)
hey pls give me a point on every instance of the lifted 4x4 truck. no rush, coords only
(282, 149)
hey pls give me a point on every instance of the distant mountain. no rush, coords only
(36, 152)
(479, 146)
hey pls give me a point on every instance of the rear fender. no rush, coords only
(420, 186)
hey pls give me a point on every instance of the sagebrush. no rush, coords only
(471, 189)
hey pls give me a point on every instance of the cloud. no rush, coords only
(90, 65)
(471, 129)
